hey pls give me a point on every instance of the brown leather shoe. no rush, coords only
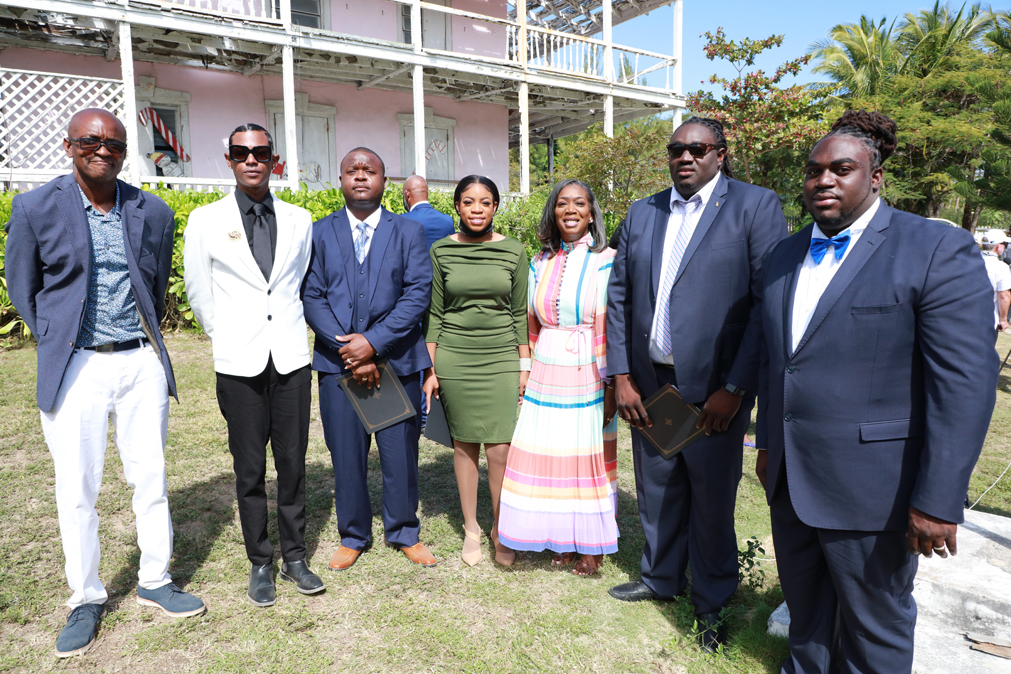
(419, 554)
(343, 558)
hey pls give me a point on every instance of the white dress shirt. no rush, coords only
(813, 278)
(371, 222)
(1000, 279)
(677, 213)
(416, 204)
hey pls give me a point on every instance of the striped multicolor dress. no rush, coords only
(560, 490)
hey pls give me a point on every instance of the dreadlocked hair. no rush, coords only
(875, 130)
(715, 126)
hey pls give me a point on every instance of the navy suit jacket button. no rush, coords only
(787, 417)
(269, 317)
(790, 369)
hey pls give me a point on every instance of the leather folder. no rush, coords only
(673, 420)
(436, 426)
(379, 407)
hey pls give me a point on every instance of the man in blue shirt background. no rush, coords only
(437, 224)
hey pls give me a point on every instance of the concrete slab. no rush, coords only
(970, 592)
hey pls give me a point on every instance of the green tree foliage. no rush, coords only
(770, 127)
(929, 71)
(991, 185)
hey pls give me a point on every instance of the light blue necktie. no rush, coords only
(677, 252)
(361, 241)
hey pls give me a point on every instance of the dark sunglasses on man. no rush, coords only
(90, 144)
(696, 150)
(261, 153)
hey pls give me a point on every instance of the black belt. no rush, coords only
(118, 346)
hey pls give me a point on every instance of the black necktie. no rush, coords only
(261, 241)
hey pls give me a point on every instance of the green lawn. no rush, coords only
(383, 614)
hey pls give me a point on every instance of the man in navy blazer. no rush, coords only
(437, 224)
(680, 312)
(368, 285)
(877, 387)
(88, 260)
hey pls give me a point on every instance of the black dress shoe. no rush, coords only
(634, 591)
(713, 632)
(305, 580)
(261, 586)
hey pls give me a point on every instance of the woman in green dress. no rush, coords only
(476, 331)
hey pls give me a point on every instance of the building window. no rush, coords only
(303, 12)
(440, 146)
(405, 23)
(160, 157)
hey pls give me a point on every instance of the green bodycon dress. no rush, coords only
(478, 318)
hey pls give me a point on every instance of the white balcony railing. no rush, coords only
(251, 9)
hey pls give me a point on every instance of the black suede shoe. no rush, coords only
(305, 580)
(261, 586)
(634, 591)
(712, 631)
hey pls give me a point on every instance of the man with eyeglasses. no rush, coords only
(88, 261)
(680, 311)
(245, 257)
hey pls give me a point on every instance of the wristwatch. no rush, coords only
(736, 390)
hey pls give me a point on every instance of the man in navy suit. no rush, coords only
(680, 309)
(88, 261)
(878, 381)
(367, 287)
(437, 224)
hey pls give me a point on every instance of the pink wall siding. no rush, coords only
(478, 37)
(368, 18)
(220, 101)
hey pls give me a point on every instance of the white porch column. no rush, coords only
(524, 100)
(676, 82)
(606, 12)
(290, 114)
(129, 104)
(418, 90)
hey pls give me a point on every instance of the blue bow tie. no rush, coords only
(820, 246)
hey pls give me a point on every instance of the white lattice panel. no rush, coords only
(34, 111)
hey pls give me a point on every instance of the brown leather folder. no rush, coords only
(673, 420)
(379, 407)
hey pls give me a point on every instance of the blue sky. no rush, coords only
(800, 22)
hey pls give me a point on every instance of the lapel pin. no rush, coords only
(234, 235)
(717, 203)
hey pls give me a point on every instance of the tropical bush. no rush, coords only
(517, 218)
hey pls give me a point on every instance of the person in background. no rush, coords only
(437, 224)
(680, 311)
(88, 261)
(476, 332)
(992, 244)
(879, 378)
(365, 294)
(560, 488)
(245, 257)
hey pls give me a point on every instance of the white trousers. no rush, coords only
(130, 388)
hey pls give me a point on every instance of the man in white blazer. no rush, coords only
(245, 258)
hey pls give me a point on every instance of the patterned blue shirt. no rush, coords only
(110, 313)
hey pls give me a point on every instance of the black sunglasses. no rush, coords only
(261, 153)
(90, 144)
(696, 150)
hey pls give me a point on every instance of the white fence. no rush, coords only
(252, 9)
(34, 111)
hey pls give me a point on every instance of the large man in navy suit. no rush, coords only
(367, 287)
(88, 261)
(680, 305)
(874, 403)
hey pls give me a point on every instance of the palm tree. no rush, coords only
(858, 57)
(929, 38)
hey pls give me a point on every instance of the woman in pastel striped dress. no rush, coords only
(559, 491)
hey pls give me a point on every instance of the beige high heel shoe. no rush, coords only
(472, 557)
(503, 555)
